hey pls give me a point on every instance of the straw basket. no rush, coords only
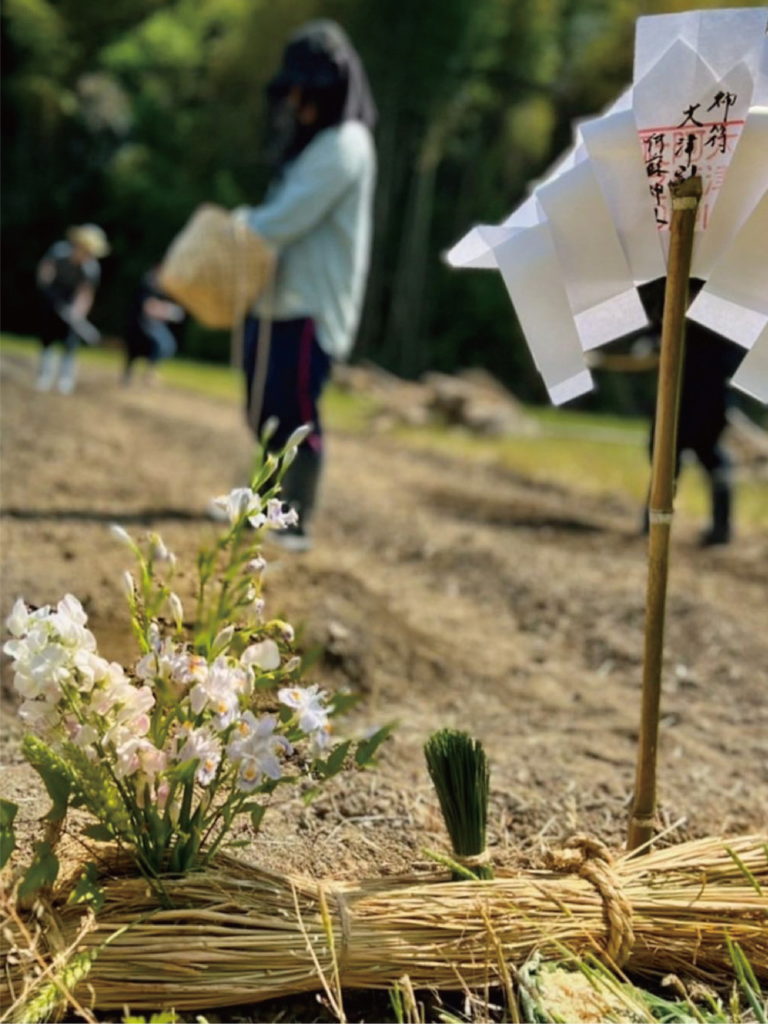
(235, 934)
(216, 267)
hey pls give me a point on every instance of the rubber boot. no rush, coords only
(720, 531)
(299, 491)
(46, 373)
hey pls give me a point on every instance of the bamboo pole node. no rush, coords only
(657, 515)
(685, 202)
(591, 860)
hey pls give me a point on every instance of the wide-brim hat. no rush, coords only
(90, 237)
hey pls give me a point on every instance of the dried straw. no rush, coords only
(238, 934)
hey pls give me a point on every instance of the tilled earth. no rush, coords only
(447, 592)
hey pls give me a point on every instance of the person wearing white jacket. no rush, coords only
(317, 215)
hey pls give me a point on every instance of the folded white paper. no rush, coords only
(694, 79)
(529, 266)
(734, 301)
(596, 225)
(745, 182)
(614, 151)
(752, 375)
(597, 279)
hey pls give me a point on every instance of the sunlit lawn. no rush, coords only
(585, 451)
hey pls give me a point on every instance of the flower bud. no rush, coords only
(299, 435)
(120, 534)
(176, 608)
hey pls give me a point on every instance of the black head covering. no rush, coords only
(320, 59)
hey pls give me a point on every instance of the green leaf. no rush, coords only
(257, 816)
(41, 872)
(102, 833)
(183, 772)
(367, 748)
(8, 811)
(88, 890)
(334, 764)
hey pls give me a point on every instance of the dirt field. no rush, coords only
(448, 593)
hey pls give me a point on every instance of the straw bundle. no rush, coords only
(216, 267)
(237, 934)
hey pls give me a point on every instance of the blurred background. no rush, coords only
(130, 113)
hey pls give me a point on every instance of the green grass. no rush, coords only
(587, 452)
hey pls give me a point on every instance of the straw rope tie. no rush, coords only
(344, 919)
(473, 860)
(591, 860)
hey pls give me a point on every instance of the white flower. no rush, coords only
(201, 746)
(307, 701)
(278, 517)
(69, 620)
(321, 739)
(129, 585)
(18, 620)
(256, 748)
(42, 672)
(91, 669)
(190, 669)
(240, 502)
(81, 734)
(139, 754)
(266, 655)
(220, 692)
(125, 705)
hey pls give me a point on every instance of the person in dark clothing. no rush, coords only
(705, 397)
(68, 276)
(317, 216)
(148, 334)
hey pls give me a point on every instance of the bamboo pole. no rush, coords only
(685, 200)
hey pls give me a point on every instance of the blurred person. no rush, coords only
(317, 215)
(68, 276)
(705, 399)
(148, 334)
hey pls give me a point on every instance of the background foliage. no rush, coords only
(131, 113)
